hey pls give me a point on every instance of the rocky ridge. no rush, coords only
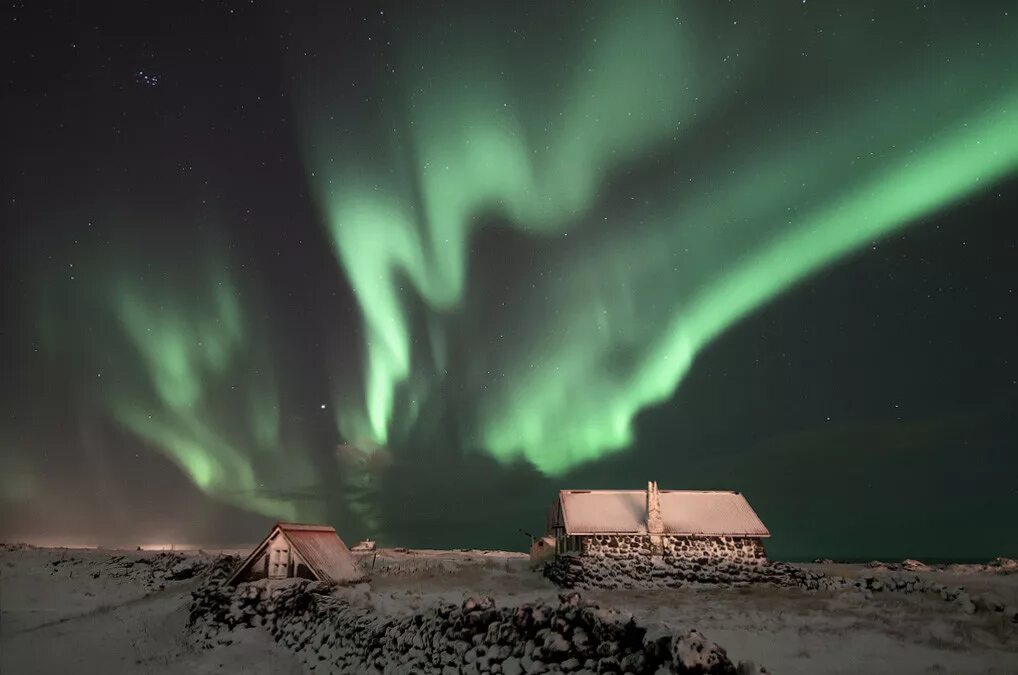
(152, 572)
(476, 637)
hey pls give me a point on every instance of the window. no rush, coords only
(572, 544)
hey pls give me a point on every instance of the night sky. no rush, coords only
(410, 268)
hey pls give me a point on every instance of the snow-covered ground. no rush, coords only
(116, 611)
(93, 611)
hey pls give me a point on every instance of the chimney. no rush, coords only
(654, 522)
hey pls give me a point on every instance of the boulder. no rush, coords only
(512, 666)
(991, 602)
(695, 654)
(570, 664)
(1004, 564)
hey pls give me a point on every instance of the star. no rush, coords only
(147, 79)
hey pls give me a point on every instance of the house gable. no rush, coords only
(259, 563)
(295, 550)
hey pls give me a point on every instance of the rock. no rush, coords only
(556, 644)
(694, 653)
(1004, 564)
(512, 666)
(533, 666)
(991, 602)
(657, 642)
(634, 662)
(581, 642)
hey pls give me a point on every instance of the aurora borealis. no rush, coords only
(373, 264)
(848, 185)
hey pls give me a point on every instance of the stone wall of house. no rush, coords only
(663, 561)
(616, 545)
(636, 571)
(749, 550)
(746, 550)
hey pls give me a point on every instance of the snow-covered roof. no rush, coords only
(319, 546)
(683, 512)
(323, 551)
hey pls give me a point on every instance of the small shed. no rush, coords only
(542, 550)
(367, 545)
(297, 550)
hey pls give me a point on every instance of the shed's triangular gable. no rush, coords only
(255, 555)
(318, 546)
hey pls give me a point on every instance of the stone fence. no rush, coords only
(330, 635)
(657, 572)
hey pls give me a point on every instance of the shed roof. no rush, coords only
(684, 512)
(294, 527)
(321, 548)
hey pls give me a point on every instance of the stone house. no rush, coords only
(303, 551)
(679, 524)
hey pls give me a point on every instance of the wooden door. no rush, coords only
(279, 559)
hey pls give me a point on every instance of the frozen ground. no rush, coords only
(89, 614)
(115, 611)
